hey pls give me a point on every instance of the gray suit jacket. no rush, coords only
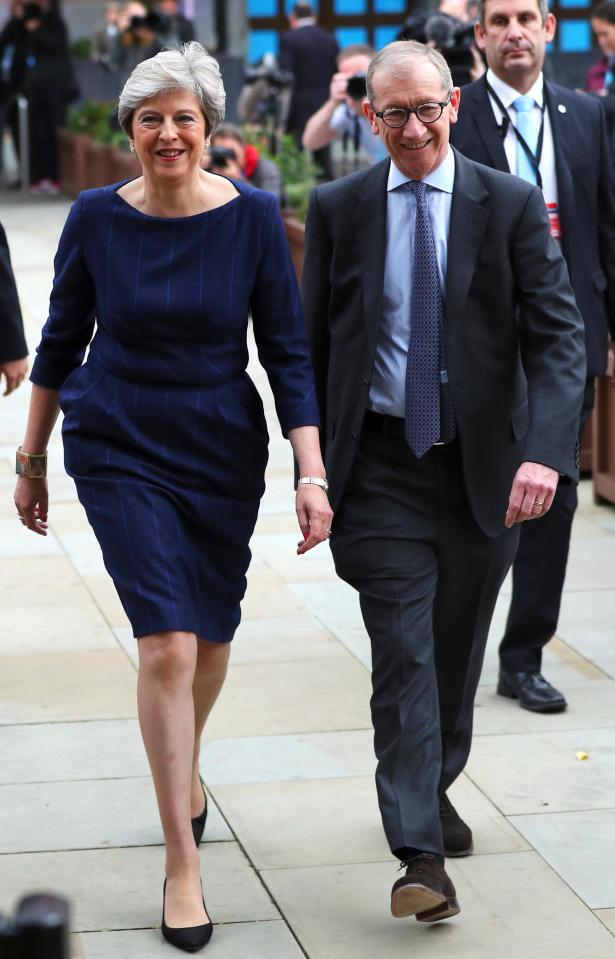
(514, 335)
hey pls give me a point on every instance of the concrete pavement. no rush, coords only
(295, 862)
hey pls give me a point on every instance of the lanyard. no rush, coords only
(506, 121)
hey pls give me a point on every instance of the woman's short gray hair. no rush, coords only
(188, 68)
(401, 52)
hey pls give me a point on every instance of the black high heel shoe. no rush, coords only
(190, 938)
(198, 823)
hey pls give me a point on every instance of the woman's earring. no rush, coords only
(132, 148)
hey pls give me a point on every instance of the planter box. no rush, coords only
(295, 234)
(73, 162)
(124, 166)
(604, 435)
(586, 453)
(100, 164)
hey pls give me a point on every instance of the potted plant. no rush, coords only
(299, 176)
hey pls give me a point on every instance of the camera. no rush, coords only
(270, 72)
(219, 157)
(356, 87)
(39, 929)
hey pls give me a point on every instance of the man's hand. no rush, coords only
(532, 493)
(337, 88)
(15, 371)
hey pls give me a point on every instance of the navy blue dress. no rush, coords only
(164, 432)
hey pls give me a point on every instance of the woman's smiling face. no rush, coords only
(169, 134)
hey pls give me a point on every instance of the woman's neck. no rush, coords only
(182, 198)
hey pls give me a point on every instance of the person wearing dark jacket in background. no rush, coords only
(601, 76)
(309, 53)
(179, 28)
(567, 156)
(42, 71)
(13, 349)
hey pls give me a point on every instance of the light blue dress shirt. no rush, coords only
(388, 387)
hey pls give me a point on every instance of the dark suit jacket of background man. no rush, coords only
(500, 256)
(585, 196)
(12, 341)
(310, 54)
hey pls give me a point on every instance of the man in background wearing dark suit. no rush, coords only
(13, 349)
(515, 121)
(309, 53)
(449, 364)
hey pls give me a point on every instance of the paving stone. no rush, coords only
(267, 939)
(579, 847)
(590, 705)
(56, 687)
(45, 582)
(267, 699)
(607, 916)
(512, 905)
(259, 759)
(306, 823)
(85, 814)
(267, 592)
(281, 638)
(540, 772)
(47, 752)
(30, 629)
(103, 592)
(113, 889)
(278, 550)
(83, 551)
(17, 541)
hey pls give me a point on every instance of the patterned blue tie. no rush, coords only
(527, 129)
(429, 410)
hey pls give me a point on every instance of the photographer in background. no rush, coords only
(449, 37)
(231, 156)
(341, 117)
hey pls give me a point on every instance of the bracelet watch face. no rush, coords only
(31, 466)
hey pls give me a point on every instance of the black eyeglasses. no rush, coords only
(397, 117)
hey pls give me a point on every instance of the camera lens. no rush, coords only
(356, 87)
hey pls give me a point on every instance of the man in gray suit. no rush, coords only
(450, 368)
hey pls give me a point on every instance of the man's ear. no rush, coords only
(371, 116)
(479, 35)
(454, 104)
(550, 27)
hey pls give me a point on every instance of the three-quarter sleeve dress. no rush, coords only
(164, 432)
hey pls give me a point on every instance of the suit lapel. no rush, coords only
(369, 221)
(560, 128)
(487, 128)
(468, 223)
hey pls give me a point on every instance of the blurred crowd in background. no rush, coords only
(312, 91)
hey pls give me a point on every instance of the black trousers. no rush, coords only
(428, 579)
(539, 571)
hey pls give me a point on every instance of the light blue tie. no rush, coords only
(527, 129)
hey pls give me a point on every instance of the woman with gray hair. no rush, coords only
(164, 432)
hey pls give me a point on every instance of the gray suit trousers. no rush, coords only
(428, 578)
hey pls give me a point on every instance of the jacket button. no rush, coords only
(355, 437)
(365, 381)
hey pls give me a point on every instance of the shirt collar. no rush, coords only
(442, 178)
(306, 22)
(508, 94)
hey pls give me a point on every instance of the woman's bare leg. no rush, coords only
(211, 666)
(167, 667)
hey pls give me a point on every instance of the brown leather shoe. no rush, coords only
(425, 891)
